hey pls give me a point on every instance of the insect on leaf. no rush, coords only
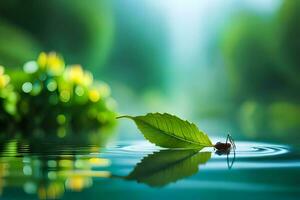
(169, 131)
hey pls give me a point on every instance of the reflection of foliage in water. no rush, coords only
(49, 94)
(50, 168)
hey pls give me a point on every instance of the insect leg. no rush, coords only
(232, 142)
(228, 135)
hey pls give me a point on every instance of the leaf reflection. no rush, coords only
(166, 166)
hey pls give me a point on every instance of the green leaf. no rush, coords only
(169, 131)
(166, 166)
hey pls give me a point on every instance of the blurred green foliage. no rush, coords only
(8, 97)
(48, 94)
(114, 42)
(18, 48)
(249, 57)
(288, 28)
(77, 29)
(139, 56)
(261, 56)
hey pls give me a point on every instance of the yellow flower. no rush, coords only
(98, 91)
(75, 74)
(87, 78)
(94, 95)
(55, 64)
(52, 63)
(4, 78)
(42, 60)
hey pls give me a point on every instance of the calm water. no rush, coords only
(76, 169)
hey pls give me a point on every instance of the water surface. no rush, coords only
(31, 169)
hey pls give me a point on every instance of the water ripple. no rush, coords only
(257, 149)
(243, 149)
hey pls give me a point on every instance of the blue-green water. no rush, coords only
(32, 169)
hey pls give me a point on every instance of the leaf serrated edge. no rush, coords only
(171, 135)
(166, 133)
